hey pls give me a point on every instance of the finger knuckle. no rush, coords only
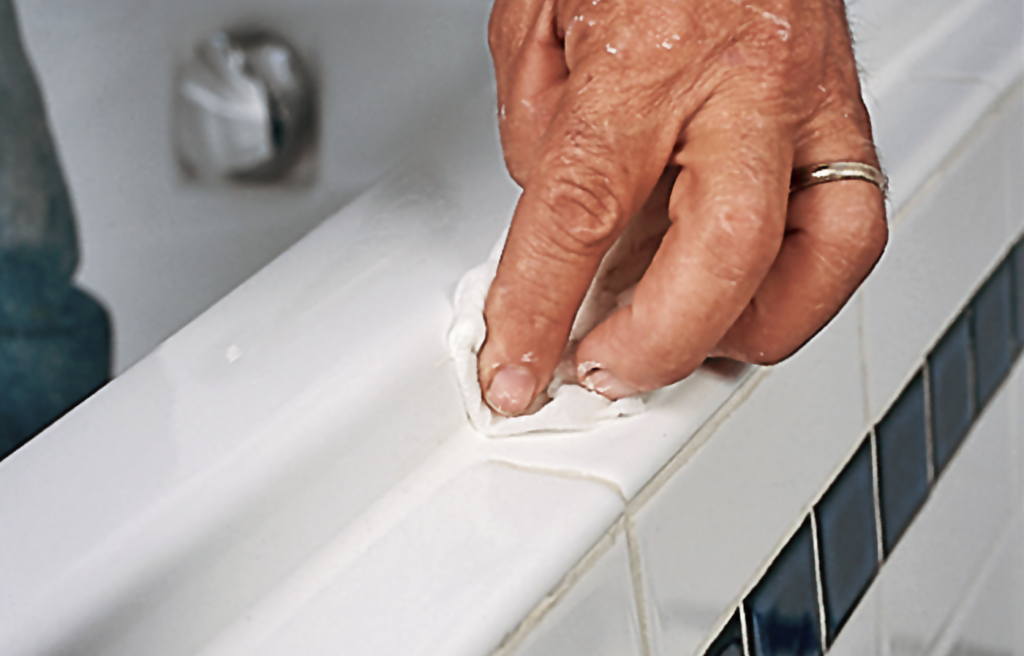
(869, 240)
(586, 209)
(857, 237)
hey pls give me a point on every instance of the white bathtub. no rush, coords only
(292, 471)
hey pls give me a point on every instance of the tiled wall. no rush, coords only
(898, 430)
(805, 598)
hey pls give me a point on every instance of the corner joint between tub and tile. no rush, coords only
(514, 638)
(955, 154)
(700, 437)
(637, 579)
(560, 472)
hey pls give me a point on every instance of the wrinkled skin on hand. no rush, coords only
(714, 103)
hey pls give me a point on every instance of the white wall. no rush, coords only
(158, 251)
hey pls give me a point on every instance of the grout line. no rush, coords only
(863, 346)
(985, 122)
(921, 47)
(929, 437)
(951, 631)
(700, 437)
(819, 588)
(626, 526)
(963, 309)
(774, 554)
(514, 638)
(876, 492)
(636, 573)
(924, 369)
(742, 610)
(571, 474)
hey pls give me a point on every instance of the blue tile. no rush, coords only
(847, 539)
(949, 383)
(730, 641)
(991, 325)
(902, 462)
(1016, 258)
(783, 607)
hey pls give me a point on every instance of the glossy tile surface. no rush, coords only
(861, 635)
(783, 608)
(911, 140)
(991, 332)
(929, 574)
(902, 462)
(1012, 129)
(729, 641)
(847, 539)
(998, 24)
(706, 534)
(989, 620)
(596, 617)
(453, 577)
(950, 390)
(938, 253)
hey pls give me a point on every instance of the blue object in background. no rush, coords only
(949, 382)
(54, 339)
(784, 606)
(902, 462)
(992, 334)
(847, 539)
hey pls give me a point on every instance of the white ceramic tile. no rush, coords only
(628, 452)
(596, 617)
(980, 44)
(943, 77)
(942, 552)
(990, 621)
(918, 122)
(885, 30)
(1015, 390)
(1012, 128)
(935, 259)
(718, 520)
(453, 577)
(861, 635)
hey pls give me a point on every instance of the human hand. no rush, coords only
(719, 100)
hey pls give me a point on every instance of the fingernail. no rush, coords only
(607, 385)
(511, 391)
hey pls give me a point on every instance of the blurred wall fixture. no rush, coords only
(244, 109)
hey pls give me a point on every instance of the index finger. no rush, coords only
(596, 165)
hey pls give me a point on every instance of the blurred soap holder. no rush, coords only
(245, 112)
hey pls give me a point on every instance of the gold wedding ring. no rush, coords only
(808, 176)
